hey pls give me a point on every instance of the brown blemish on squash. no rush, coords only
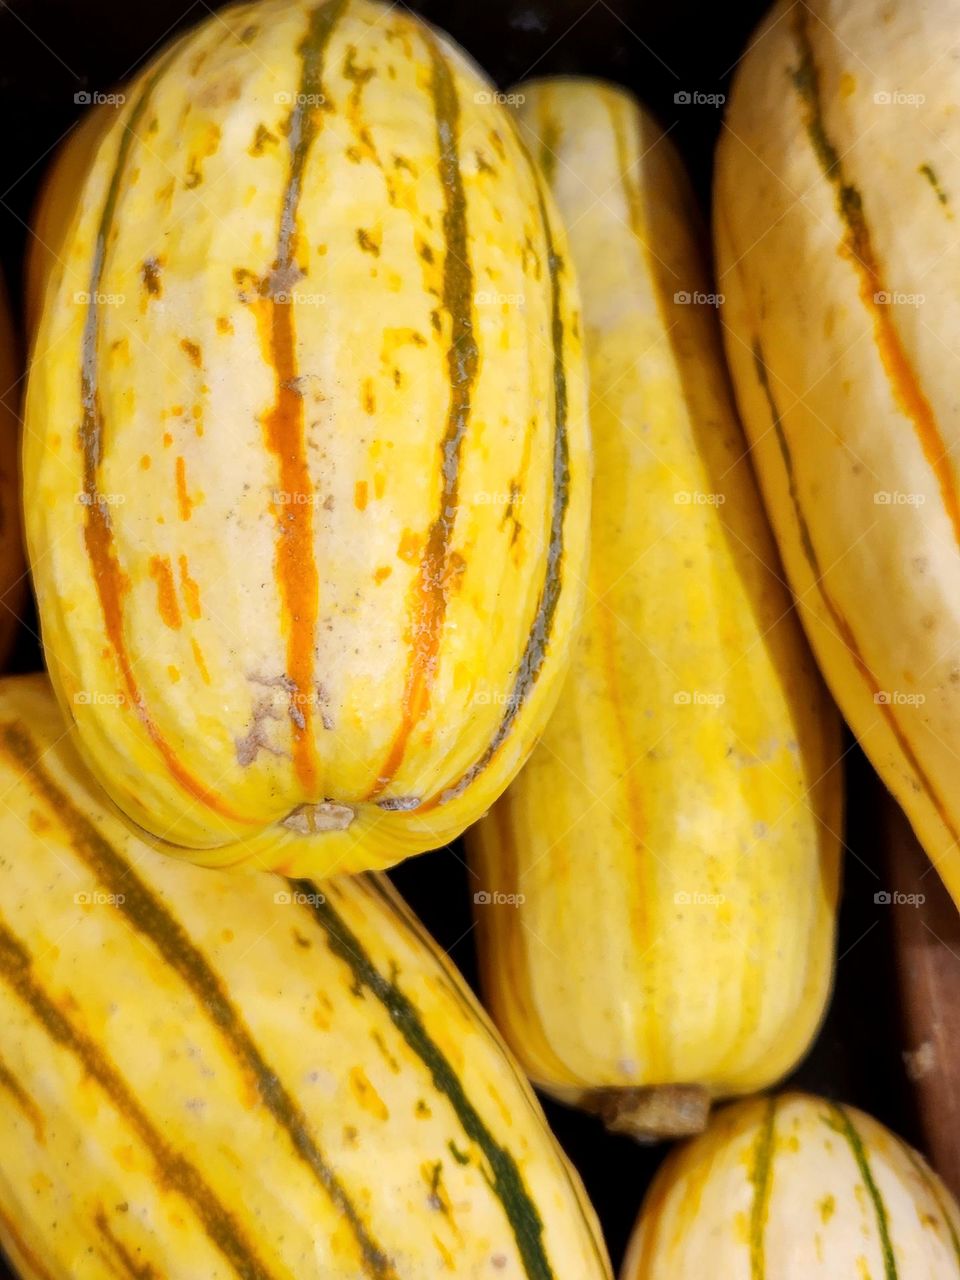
(369, 241)
(261, 139)
(224, 325)
(368, 398)
(928, 172)
(167, 603)
(255, 739)
(193, 352)
(360, 77)
(360, 495)
(150, 273)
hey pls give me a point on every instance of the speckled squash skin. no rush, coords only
(837, 189)
(12, 565)
(795, 1188)
(661, 879)
(218, 1076)
(307, 463)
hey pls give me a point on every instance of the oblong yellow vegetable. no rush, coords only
(795, 1188)
(207, 1076)
(657, 889)
(307, 462)
(837, 187)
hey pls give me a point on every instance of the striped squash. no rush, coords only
(837, 189)
(307, 459)
(12, 571)
(795, 1188)
(658, 887)
(207, 1076)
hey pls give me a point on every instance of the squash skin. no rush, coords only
(218, 1077)
(13, 578)
(676, 860)
(840, 309)
(324, 633)
(795, 1187)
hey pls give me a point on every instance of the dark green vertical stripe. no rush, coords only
(761, 1176)
(538, 640)
(432, 588)
(505, 1178)
(173, 1169)
(147, 914)
(843, 1125)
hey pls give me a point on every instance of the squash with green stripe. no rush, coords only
(660, 882)
(837, 194)
(214, 1076)
(307, 461)
(795, 1188)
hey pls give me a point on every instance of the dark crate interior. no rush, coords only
(51, 51)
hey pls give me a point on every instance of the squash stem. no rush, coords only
(652, 1113)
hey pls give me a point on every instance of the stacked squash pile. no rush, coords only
(382, 482)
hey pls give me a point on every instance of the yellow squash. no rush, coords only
(796, 1188)
(656, 891)
(837, 192)
(208, 1076)
(307, 461)
(12, 568)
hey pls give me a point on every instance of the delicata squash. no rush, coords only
(836, 194)
(207, 1076)
(656, 891)
(795, 1188)
(307, 462)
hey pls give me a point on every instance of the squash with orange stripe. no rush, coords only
(214, 1076)
(837, 191)
(12, 569)
(307, 461)
(795, 1188)
(657, 890)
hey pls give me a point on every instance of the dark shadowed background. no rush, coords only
(53, 50)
